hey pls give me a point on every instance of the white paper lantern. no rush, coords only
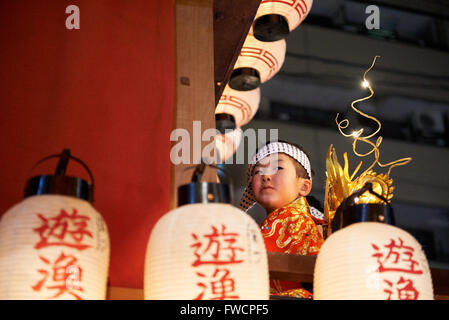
(227, 144)
(372, 261)
(291, 12)
(242, 105)
(206, 251)
(53, 246)
(257, 63)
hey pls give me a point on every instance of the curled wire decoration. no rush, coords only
(358, 135)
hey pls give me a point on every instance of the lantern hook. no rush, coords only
(201, 168)
(61, 168)
(368, 186)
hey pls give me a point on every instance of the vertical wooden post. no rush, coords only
(194, 80)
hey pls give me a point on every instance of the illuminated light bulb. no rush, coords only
(355, 134)
(365, 84)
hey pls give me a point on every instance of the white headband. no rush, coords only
(292, 151)
(248, 200)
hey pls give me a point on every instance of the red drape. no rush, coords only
(106, 91)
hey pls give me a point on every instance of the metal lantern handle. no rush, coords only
(369, 187)
(349, 212)
(205, 192)
(201, 168)
(63, 162)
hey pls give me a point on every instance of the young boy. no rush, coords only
(279, 180)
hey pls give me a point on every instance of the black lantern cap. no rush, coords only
(271, 27)
(59, 183)
(244, 79)
(204, 192)
(350, 212)
(224, 121)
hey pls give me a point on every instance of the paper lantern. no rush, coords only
(54, 244)
(276, 19)
(257, 63)
(227, 144)
(206, 250)
(372, 261)
(242, 105)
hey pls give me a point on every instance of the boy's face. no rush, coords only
(275, 183)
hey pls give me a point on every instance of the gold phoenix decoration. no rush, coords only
(339, 184)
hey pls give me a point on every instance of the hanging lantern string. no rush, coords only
(357, 135)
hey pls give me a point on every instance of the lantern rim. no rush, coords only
(363, 212)
(245, 79)
(204, 192)
(59, 185)
(224, 121)
(271, 27)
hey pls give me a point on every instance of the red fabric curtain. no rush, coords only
(106, 91)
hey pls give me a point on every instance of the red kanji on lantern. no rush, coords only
(63, 230)
(219, 249)
(221, 286)
(59, 276)
(404, 289)
(397, 258)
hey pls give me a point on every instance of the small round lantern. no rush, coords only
(241, 105)
(276, 19)
(54, 244)
(206, 249)
(368, 259)
(257, 63)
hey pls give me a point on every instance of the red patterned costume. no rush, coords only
(292, 229)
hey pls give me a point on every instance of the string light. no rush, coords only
(365, 84)
(357, 135)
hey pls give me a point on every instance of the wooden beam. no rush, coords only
(291, 267)
(194, 81)
(119, 293)
(232, 21)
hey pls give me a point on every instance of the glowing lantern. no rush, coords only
(371, 260)
(206, 249)
(276, 19)
(242, 105)
(54, 244)
(257, 63)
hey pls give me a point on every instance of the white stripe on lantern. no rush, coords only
(346, 269)
(265, 57)
(242, 105)
(169, 273)
(19, 259)
(294, 11)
